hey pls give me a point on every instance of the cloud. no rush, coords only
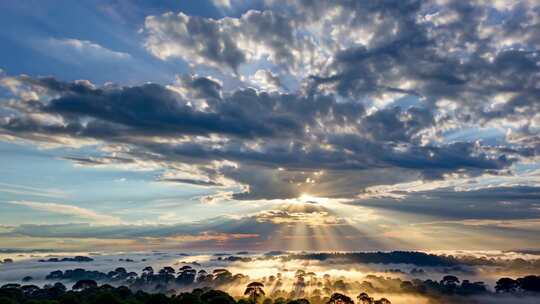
(222, 3)
(98, 161)
(266, 80)
(189, 181)
(454, 56)
(31, 191)
(272, 145)
(70, 210)
(85, 46)
(315, 218)
(195, 38)
(490, 203)
(382, 90)
(73, 50)
(296, 223)
(228, 42)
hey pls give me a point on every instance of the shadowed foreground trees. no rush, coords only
(338, 298)
(88, 292)
(530, 283)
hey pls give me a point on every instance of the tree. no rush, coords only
(450, 281)
(187, 298)
(186, 275)
(29, 289)
(55, 275)
(167, 270)
(338, 298)
(217, 297)
(382, 301)
(298, 301)
(506, 285)
(84, 284)
(254, 290)
(530, 283)
(222, 275)
(5, 300)
(364, 298)
(299, 286)
(148, 271)
(468, 288)
(107, 297)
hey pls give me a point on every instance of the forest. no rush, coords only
(188, 285)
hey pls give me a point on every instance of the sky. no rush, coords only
(270, 125)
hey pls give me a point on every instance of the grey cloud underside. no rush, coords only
(190, 181)
(436, 54)
(97, 161)
(495, 203)
(261, 132)
(259, 223)
(259, 229)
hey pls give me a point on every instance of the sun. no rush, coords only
(306, 198)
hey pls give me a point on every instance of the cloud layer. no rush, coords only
(365, 101)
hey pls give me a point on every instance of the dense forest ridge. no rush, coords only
(393, 257)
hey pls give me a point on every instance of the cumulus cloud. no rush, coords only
(383, 86)
(464, 53)
(227, 42)
(271, 144)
